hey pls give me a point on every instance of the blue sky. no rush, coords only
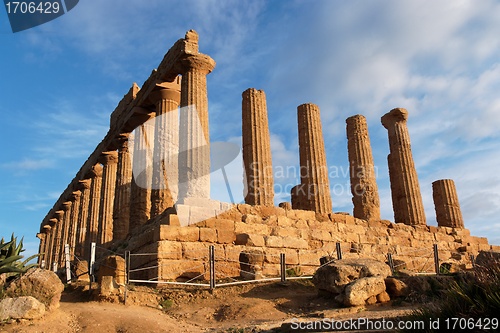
(439, 59)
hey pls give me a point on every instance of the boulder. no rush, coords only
(42, 284)
(383, 297)
(363, 290)
(24, 307)
(335, 276)
(488, 258)
(112, 266)
(81, 270)
(395, 287)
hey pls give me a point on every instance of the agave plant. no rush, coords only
(10, 256)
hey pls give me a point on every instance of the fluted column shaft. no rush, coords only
(448, 213)
(67, 207)
(46, 244)
(313, 168)
(194, 139)
(83, 215)
(406, 197)
(95, 202)
(164, 189)
(364, 188)
(41, 247)
(53, 241)
(59, 232)
(140, 197)
(257, 149)
(121, 208)
(75, 210)
(109, 161)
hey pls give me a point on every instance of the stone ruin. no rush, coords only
(106, 204)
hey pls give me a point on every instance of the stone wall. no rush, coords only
(304, 237)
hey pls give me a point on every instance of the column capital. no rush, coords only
(75, 195)
(53, 221)
(58, 215)
(121, 141)
(46, 228)
(40, 235)
(198, 62)
(109, 157)
(95, 171)
(167, 91)
(356, 120)
(307, 107)
(394, 116)
(66, 205)
(83, 184)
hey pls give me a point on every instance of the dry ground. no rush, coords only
(248, 308)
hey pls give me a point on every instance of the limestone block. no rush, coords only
(274, 241)
(295, 243)
(181, 269)
(251, 263)
(297, 214)
(357, 292)
(272, 256)
(208, 235)
(271, 221)
(250, 240)
(225, 236)
(232, 214)
(285, 232)
(112, 266)
(195, 250)
(250, 218)
(337, 217)
(266, 211)
(321, 235)
(241, 228)
(284, 221)
(24, 307)
(403, 241)
(285, 205)
(271, 269)
(301, 224)
(181, 234)
(315, 244)
(232, 252)
(306, 257)
(169, 250)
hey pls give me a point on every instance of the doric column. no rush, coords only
(257, 149)
(194, 139)
(58, 215)
(109, 160)
(121, 208)
(406, 198)
(446, 203)
(95, 202)
(82, 224)
(66, 207)
(75, 210)
(140, 191)
(313, 168)
(52, 244)
(362, 171)
(164, 188)
(41, 247)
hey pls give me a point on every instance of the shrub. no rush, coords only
(10, 256)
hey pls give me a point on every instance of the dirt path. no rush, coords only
(255, 307)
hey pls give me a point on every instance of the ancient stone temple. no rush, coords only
(146, 189)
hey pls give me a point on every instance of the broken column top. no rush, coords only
(395, 115)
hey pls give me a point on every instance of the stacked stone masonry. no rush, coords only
(153, 167)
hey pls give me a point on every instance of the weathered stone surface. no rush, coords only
(105, 230)
(44, 285)
(257, 149)
(395, 287)
(448, 213)
(406, 198)
(383, 297)
(314, 189)
(112, 266)
(488, 258)
(360, 290)
(81, 270)
(251, 263)
(335, 276)
(121, 206)
(24, 307)
(362, 173)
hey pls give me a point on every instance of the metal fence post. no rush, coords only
(211, 258)
(68, 263)
(54, 267)
(42, 264)
(127, 266)
(283, 267)
(391, 262)
(92, 262)
(436, 258)
(339, 250)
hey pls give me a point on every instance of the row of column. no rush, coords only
(110, 201)
(313, 192)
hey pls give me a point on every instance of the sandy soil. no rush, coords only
(249, 308)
